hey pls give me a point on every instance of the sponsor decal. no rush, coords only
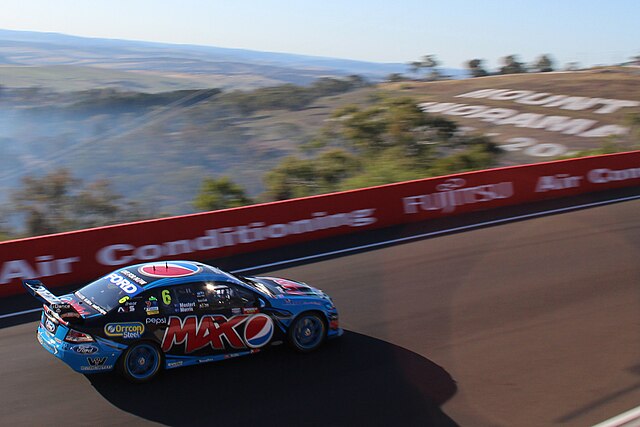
(50, 326)
(250, 310)
(236, 310)
(258, 330)
(85, 349)
(453, 193)
(151, 306)
(97, 368)
(169, 269)
(69, 315)
(125, 284)
(128, 330)
(300, 302)
(43, 266)
(156, 320)
(96, 361)
(122, 253)
(603, 176)
(595, 176)
(60, 307)
(232, 355)
(175, 364)
(79, 307)
(185, 307)
(96, 364)
(209, 331)
(557, 182)
(130, 306)
(290, 287)
(166, 297)
(133, 277)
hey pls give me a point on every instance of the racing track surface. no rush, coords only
(530, 323)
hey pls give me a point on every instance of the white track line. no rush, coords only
(439, 232)
(404, 239)
(630, 418)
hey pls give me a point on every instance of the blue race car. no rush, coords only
(145, 317)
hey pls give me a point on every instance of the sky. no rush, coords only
(586, 31)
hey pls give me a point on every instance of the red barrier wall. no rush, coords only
(84, 255)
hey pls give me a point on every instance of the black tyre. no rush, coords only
(307, 332)
(141, 362)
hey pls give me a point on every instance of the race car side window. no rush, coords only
(218, 295)
(178, 299)
(244, 297)
(221, 295)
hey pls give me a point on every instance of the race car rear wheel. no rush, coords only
(141, 362)
(307, 332)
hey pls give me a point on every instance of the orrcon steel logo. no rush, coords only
(452, 193)
(124, 329)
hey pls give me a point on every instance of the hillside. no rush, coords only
(156, 149)
(538, 116)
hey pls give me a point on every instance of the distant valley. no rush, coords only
(68, 63)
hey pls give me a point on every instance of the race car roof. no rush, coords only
(146, 275)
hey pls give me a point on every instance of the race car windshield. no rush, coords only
(256, 285)
(108, 291)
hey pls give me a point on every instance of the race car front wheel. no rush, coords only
(307, 332)
(141, 362)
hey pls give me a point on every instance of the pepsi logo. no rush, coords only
(258, 330)
(169, 269)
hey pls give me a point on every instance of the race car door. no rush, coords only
(205, 318)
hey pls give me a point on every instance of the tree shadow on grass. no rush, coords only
(354, 380)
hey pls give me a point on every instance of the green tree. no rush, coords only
(295, 177)
(431, 62)
(543, 64)
(220, 193)
(512, 65)
(415, 67)
(633, 121)
(476, 68)
(572, 66)
(427, 62)
(394, 77)
(58, 202)
(5, 232)
(46, 202)
(390, 141)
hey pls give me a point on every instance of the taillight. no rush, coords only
(75, 336)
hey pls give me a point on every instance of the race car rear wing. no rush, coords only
(40, 292)
(62, 309)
